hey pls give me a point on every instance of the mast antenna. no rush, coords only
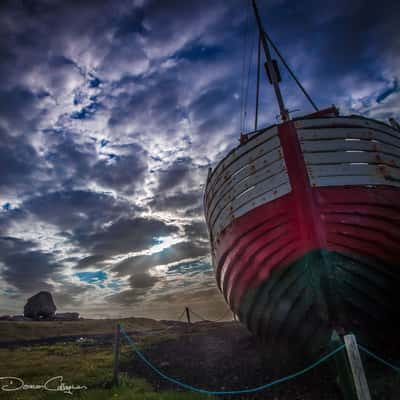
(271, 67)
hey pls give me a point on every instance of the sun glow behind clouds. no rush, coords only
(164, 242)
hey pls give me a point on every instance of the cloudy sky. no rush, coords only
(111, 113)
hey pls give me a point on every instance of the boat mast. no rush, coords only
(271, 67)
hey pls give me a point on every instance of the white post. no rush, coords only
(357, 369)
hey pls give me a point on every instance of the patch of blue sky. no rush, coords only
(189, 267)
(10, 291)
(389, 91)
(86, 112)
(6, 206)
(96, 278)
(78, 98)
(94, 82)
(104, 142)
(42, 94)
(114, 285)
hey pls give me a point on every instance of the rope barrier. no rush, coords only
(198, 315)
(291, 72)
(209, 320)
(183, 312)
(371, 354)
(225, 392)
(223, 317)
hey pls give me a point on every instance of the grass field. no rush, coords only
(78, 364)
(30, 330)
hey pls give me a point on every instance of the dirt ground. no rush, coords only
(225, 356)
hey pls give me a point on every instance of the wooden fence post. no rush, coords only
(357, 369)
(117, 339)
(187, 314)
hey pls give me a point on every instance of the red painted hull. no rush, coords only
(329, 254)
(357, 221)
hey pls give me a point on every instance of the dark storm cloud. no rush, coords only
(8, 217)
(197, 212)
(140, 283)
(155, 107)
(127, 297)
(19, 162)
(10, 246)
(210, 109)
(179, 201)
(124, 173)
(171, 24)
(69, 296)
(174, 175)
(190, 296)
(196, 230)
(79, 210)
(90, 261)
(76, 164)
(20, 107)
(70, 161)
(125, 235)
(26, 268)
(143, 281)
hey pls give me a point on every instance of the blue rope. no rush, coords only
(226, 392)
(370, 353)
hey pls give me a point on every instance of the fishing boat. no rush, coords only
(304, 225)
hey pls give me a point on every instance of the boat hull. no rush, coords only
(290, 293)
(301, 304)
(324, 253)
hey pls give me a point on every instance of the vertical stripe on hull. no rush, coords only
(287, 288)
(326, 253)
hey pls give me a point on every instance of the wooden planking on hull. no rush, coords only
(348, 227)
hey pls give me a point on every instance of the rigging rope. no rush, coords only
(251, 54)
(290, 71)
(242, 81)
(257, 83)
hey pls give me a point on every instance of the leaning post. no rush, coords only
(187, 314)
(344, 376)
(357, 369)
(117, 339)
